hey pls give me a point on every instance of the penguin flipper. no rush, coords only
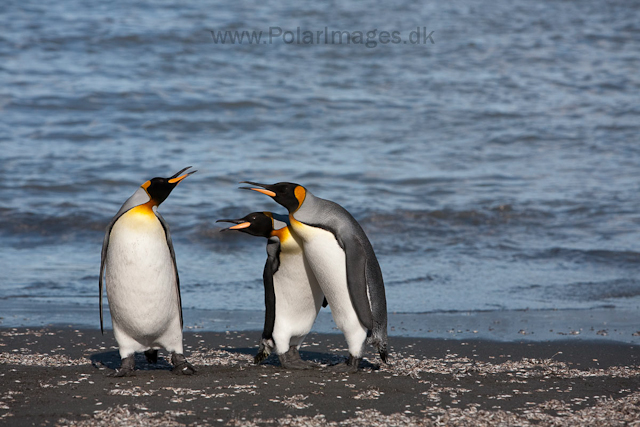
(103, 262)
(356, 260)
(375, 286)
(270, 268)
(366, 289)
(167, 233)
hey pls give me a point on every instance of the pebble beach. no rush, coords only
(58, 376)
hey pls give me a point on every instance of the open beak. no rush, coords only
(175, 179)
(240, 224)
(263, 190)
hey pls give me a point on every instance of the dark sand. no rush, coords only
(57, 376)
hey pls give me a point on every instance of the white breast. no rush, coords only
(298, 299)
(140, 278)
(328, 263)
(327, 260)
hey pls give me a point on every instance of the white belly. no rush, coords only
(328, 263)
(141, 285)
(298, 300)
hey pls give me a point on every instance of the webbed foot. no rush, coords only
(127, 367)
(291, 360)
(350, 367)
(181, 366)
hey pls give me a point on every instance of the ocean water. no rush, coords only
(494, 169)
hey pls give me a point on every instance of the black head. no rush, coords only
(256, 224)
(288, 194)
(159, 189)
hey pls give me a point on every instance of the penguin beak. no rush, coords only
(263, 190)
(241, 223)
(175, 179)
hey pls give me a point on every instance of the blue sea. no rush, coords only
(490, 150)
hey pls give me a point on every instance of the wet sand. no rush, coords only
(598, 324)
(57, 376)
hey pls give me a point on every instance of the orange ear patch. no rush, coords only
(283, 234)
(300, 194)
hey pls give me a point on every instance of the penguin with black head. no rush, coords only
(138, 269)
(344, 264)
(292, 294)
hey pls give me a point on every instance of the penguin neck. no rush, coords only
(289, 244)
(140, 220)
(140, 197)
(306, 209)
(283, 234)
(146, 209)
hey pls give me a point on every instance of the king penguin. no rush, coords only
(344, 263)
(292, 294)
(142, 281)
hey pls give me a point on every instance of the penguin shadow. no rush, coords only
(329, 360)
(111, 360)
(317, 359)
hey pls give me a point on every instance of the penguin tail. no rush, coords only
(262, 355)
(264, 350)
(384, 355)
(378, 339)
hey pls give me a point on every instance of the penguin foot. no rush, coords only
(292, 360)
(350, 367)
(181, 366)
(152, 356)
(127, 367)
(297, 364)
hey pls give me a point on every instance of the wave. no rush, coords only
(587, 291)
(584, 256)
(14, 222)
(597, 291)
(495, 215)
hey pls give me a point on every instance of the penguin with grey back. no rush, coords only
(138, 269)
(292, 295)
(344, 263)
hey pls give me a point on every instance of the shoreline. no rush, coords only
(56, 375)
(599, 324)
